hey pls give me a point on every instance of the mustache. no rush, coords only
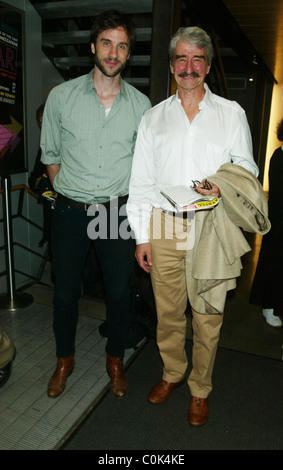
(192, 74)
(116, 61)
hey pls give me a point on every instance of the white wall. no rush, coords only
(40, 77)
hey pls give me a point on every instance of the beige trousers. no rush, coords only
(7, 349)
(172, 238)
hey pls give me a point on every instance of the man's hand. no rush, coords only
(214, 191)
(143, 256)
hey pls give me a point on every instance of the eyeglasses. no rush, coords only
(205, 184)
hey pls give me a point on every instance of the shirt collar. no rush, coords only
(89, 85)
(123, 89)
(207, 100)
(90, 88)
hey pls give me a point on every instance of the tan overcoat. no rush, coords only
(215, 260)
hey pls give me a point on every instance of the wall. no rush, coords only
(40, 78)
(276, 115)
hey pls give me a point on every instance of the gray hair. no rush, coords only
(193, 35)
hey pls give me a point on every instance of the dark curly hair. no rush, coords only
(279, 131)
(112, 19)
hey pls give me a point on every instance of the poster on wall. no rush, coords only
(12, 128)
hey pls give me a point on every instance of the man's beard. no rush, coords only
(99, 64)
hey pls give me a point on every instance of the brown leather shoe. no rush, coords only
(162, 391)
(118, 382)
(57, 383)
(198, 412)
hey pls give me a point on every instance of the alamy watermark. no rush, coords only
(113, 223)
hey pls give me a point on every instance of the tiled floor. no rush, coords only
(29, 420)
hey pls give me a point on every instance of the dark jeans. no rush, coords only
(70, 245)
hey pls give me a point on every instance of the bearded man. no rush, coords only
(88, 138)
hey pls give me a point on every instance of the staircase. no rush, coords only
(65, 36)
(66, 27)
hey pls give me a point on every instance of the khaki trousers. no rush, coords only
(172, 238)
(7, 349)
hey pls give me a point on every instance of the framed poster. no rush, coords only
(12, 122)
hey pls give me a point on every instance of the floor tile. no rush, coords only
(30, 420)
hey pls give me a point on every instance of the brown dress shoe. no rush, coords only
(57, 383)
(198, 412)
(162, 391)
(118, 382)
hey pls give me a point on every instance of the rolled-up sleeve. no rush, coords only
(50, 141)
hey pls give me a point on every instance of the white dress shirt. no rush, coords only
(170, 150)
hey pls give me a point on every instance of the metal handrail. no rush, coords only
(22, 188)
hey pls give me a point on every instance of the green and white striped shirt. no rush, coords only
(94, 151)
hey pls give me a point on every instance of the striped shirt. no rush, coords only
(94, 149)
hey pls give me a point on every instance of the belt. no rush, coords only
(182, 215)
(82, 205)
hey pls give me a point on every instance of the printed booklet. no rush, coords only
(187, 199)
